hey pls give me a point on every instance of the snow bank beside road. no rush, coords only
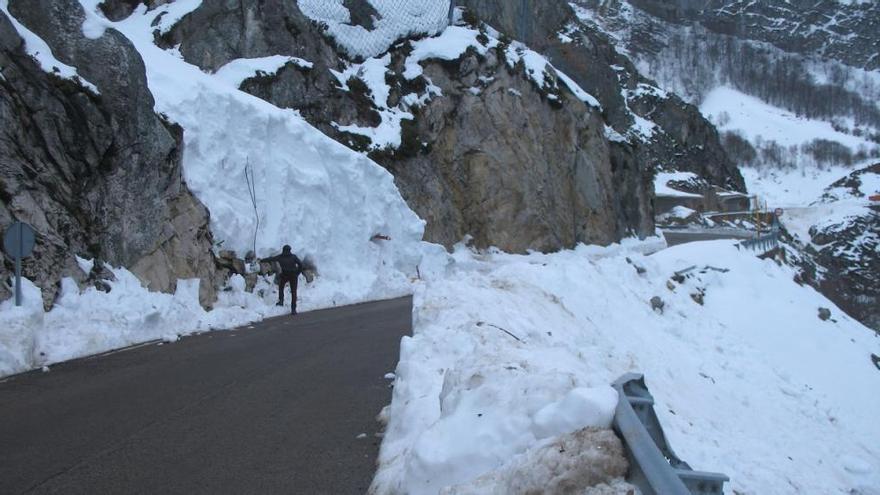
(751, 383)
(312, 192)
(325, 200)
(88, 322)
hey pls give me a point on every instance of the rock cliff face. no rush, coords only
(97, 174)
(485, 152)
(844, 31)
(684, 141)
(849, 252)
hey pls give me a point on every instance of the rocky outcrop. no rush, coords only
(506, 166)
(492, 157)
(116, 10)
(848, 253)
(692, 47)
(97, 175)
(686, 141)
(844, 31)
(502, 165)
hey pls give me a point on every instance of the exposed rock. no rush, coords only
(474, 161)
(657, 304)
(824, 314)
(116, 10)
(96, 175)
(844, 258)
(688, 142)
(227, 259)
(798, 26)
(691, 47)
(492, 172)
(486, 169)
(362, 13)
(6, 278)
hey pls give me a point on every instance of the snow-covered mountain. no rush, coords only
(791, 86)
(499, 164)
(481, 133)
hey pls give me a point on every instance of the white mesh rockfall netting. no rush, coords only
(389, 21)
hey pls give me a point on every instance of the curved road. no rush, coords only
(271, 409)
(676, 237)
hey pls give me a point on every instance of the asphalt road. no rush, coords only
(271, 409)
(676, 237)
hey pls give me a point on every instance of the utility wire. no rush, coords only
(252, 191)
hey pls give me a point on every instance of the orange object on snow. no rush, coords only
(875, 197)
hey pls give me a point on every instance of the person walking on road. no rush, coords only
(291, 267)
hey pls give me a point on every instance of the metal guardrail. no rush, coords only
(762, 242)
(654, 467)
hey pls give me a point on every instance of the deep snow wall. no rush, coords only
(476, 145)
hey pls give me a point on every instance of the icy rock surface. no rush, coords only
(110, 177)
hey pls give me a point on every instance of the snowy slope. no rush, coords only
(312, 192)
(509, 350)
(757, 119)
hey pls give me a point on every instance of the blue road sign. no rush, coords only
(19, 242)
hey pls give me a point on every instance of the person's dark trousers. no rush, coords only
(284, 279)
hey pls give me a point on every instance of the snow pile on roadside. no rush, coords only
(312, 192)
(509, 351)
(90, 322)
(587, 458)
(325, 200)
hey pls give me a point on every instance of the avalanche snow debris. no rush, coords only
(465, 403)
(313, 193)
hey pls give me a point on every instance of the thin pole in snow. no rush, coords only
(252, 191)
(18, 266)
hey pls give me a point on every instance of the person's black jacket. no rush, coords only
(288, 261)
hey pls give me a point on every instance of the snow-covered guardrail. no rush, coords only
(762, 243)
(654, 467)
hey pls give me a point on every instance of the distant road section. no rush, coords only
(676, 237)
(277, 408)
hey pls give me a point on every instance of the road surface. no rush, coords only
(271, 409)
(676, 237)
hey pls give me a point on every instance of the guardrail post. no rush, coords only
(654, 467)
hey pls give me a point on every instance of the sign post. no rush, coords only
(18, 242)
